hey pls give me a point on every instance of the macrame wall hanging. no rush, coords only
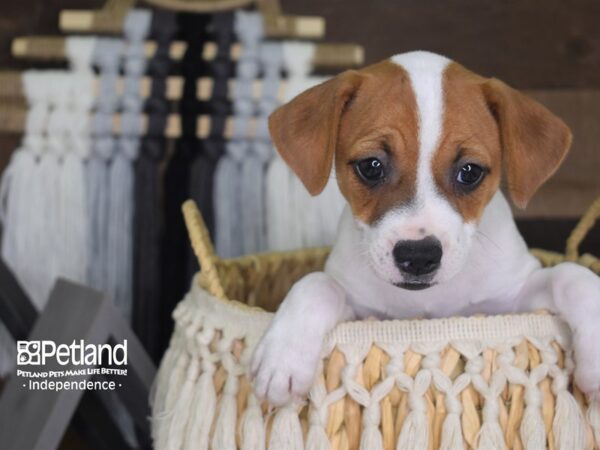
(121, 175)
(194, 30)
(228, 187)
(148, 218)
(107, 59)
(209, 150)
(260, 151)
(43, 195)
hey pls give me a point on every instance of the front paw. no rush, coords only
(586, 341)
(283, 365)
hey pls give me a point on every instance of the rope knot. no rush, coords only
(533, 396)
(474, 366)
(431, 361)
(491, 409)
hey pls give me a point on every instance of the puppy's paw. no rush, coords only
(283, 365)
(586, 341)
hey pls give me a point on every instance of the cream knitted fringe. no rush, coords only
(214, 339)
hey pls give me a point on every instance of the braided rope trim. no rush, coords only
(253, 321)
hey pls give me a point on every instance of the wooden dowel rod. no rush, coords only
(327, 55)
(85, 21)
(12, 121)
(11, 87)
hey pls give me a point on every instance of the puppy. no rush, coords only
(419, 144)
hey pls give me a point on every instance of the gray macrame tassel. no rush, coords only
(254, 165)
(107, 58)
(231, 237)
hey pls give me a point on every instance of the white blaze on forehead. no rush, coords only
(426, 71)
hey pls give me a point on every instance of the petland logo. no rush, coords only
(35, 353)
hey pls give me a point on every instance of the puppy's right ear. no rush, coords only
(305, 130)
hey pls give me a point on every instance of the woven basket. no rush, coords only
(477, 382)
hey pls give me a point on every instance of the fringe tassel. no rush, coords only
(317, 439)
(253, 197)
(224, 434)
(279, 204)
(252, 426)
(568, 426)
(120, 225)
(184, 407)
(533, 432)
(176, 380)
(74, 213)
(227, 202)
(593, 417)
(491, 437)
(415, 432)
(287, 431)
(452, 438)
(158, 391)
(201, 417)
(370, 439)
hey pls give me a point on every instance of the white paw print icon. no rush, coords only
(28, 352)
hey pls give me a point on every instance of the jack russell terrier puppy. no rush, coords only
(419, 144)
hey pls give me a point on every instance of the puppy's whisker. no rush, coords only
(490, 240)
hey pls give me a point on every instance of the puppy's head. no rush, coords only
(419, 144)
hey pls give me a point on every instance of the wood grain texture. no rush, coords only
(527, 43)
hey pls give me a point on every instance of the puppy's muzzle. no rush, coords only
(418, 259)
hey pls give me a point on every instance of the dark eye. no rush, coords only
(370, 170)
(470, 175)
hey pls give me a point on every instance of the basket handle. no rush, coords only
(586, 223)
(203, 247)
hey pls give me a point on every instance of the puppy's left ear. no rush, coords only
(305, 130)
(534, 141)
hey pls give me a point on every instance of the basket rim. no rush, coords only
(246, 319)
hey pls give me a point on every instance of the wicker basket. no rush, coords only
(478, 382)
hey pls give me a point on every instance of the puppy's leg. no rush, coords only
(573, 292)
(284, 363)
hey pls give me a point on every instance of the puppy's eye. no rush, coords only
(370, 170)
(470, 175)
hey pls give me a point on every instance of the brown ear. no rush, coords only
(305, 130)
(534, 141)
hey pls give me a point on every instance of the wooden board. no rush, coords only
(527, 43)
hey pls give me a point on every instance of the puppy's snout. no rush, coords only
(418, 257)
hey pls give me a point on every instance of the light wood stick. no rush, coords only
(52, 48)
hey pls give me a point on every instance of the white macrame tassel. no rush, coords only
(491, 437)
(317, 438)
(370, 438)
(287, 431)
(452, 438)
(184, 406)
(176, 380)
(201, 419)
(415, 432)
(593, 417)
(225, 426)
(533, 431)
(568, 424)
(252, 426)
(204, 400)
(279, 204)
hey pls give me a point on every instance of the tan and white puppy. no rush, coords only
(419, 144)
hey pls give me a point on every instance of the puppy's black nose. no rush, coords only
(418, 257)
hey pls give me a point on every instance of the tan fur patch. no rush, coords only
(469, 135)
(381, 122)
